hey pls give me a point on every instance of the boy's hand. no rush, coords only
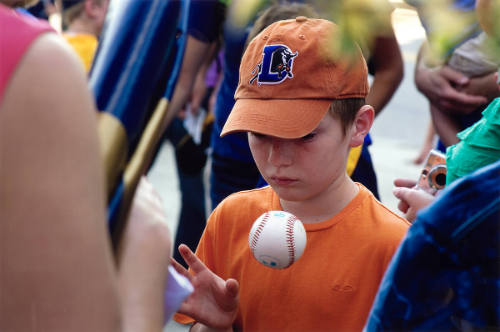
(214, 301)
(411, 199)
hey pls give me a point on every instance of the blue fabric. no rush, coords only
(38, 10)
(465, 121)
(233, 168)
(131, 58)
(234, 146)
(205, 19)
(228, 176)
(445, 276)
(465, 5)
(364, 172)
(192, 216)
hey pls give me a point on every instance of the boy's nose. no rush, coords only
(281, 152)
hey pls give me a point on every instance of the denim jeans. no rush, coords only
(190, 160)
(229, 176)
(445, 276)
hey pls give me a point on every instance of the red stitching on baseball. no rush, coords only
(258, 231)
(290, 239)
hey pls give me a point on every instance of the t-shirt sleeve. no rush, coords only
(206, 19)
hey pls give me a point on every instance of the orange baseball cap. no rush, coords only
(289, 76)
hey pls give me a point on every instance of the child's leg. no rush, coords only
(427, 145)
(445, 125)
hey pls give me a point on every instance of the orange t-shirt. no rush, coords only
(331, 287)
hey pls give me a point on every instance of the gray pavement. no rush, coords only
(397, 135)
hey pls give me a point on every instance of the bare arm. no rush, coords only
(200, 88)
(441, 85)
(194, 56)
(60, 274)
(427, 144)
(446, 126)
(388, 71)
(146, 253)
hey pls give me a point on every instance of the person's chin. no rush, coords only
(288, 193)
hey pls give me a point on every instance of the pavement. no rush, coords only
(397, 135)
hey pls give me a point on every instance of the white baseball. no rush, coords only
(277, 239)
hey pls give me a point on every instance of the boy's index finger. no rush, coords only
(180, 269)
(195, 264)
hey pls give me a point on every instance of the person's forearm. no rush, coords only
(194, 56)
(143, 260)
(445, 126)
(388, 64)
(421, 68)
(382, 89)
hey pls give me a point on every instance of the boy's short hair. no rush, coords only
(345, 110)
(289, 77)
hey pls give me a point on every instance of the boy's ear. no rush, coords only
(361, 125)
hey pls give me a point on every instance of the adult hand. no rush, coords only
(214, 301)
(442, 86)
(411, 199)
(486, 85)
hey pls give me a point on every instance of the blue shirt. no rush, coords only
(445, 275)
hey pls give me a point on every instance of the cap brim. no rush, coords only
(285, 118)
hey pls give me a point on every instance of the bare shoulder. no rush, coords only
(49, 109)
(48, 93)
(53, 52)
(48, 78)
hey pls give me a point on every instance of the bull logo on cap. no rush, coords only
(276, 65)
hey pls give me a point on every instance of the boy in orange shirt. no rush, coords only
(304, 109)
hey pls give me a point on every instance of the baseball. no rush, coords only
(277, 239)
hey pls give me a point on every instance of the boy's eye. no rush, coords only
(257, 135)
(308, 137)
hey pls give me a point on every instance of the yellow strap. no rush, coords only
(352, 159)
